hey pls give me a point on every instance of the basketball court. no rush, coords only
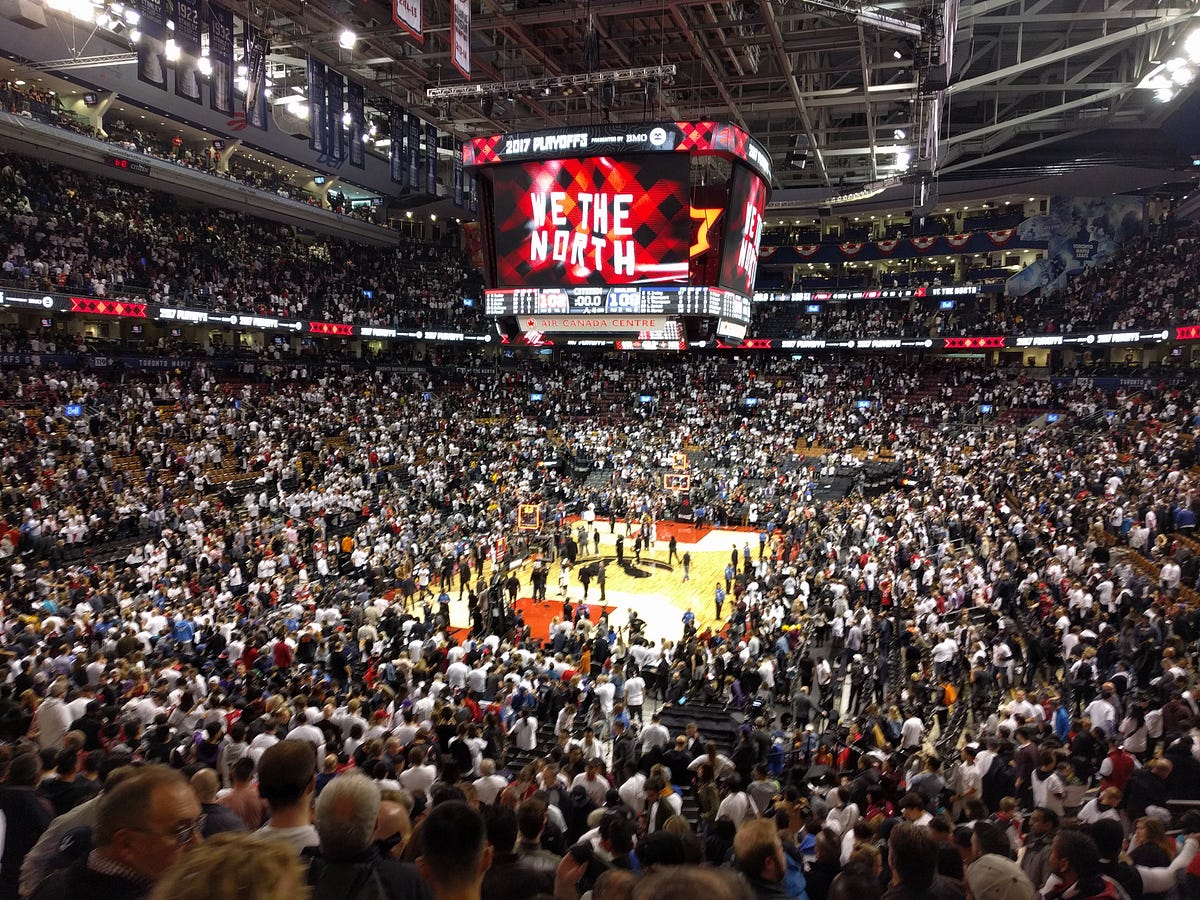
(655, 588)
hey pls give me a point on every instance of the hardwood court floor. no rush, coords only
(655, 588)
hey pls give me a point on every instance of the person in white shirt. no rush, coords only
(736, 805)
(655, 735)
(1103, 807)
(1102, 713)
(605, 692)
(418, 777)
(913, 811)
(524, 733)
(1049, 789)
(911, 732)
(1023, 707)
(592, 780)
(967, 782)
(52, 718)
(635, 697)
(489, 785)
(456, 675)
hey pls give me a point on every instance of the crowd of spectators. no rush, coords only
(34, 102)
(265, 640)
(228, 262)
(62, 230)
(247, 594)
(1151, 284)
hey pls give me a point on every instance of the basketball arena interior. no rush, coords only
(464, 448)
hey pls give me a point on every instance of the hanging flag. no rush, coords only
(152, 48)
(414, 152)
(220, 54)
(257, 46)
(431, 159)
(460, 37)
(187, 36)
(355, 98)
(397, 158)
(408, 14)
(318, 119)
(337, 113)
(458, 179)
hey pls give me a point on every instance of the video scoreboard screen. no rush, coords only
(595, 221)
(605, 222)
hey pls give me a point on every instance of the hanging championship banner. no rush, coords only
(460, 37)
(152, 48)
(355, 99)
(414, 152)
(458, 178)
(337, 114)
(256, 48)
(408, 14)
(397, 158)
(187, 36)
(220, 54)
(431, 159)
(317, 118)
(473, 193)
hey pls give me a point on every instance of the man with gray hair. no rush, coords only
(347, 813)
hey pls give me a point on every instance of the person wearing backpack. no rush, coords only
(346, 865)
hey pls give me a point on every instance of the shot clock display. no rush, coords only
(128, 165)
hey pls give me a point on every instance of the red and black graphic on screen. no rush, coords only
(592, 221)
(743, 231)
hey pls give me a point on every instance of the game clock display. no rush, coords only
(691, 300)
(128, 165)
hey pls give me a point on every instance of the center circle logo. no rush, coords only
(658, 136)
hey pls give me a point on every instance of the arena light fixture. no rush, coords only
(547, 86)
(870, 16)
(347, 39)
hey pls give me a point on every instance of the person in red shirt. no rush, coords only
(281, 654)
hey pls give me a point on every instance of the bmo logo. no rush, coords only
(658, 136)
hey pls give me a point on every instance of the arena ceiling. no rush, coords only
(1033, 87)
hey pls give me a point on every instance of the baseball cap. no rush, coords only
(994, 877)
